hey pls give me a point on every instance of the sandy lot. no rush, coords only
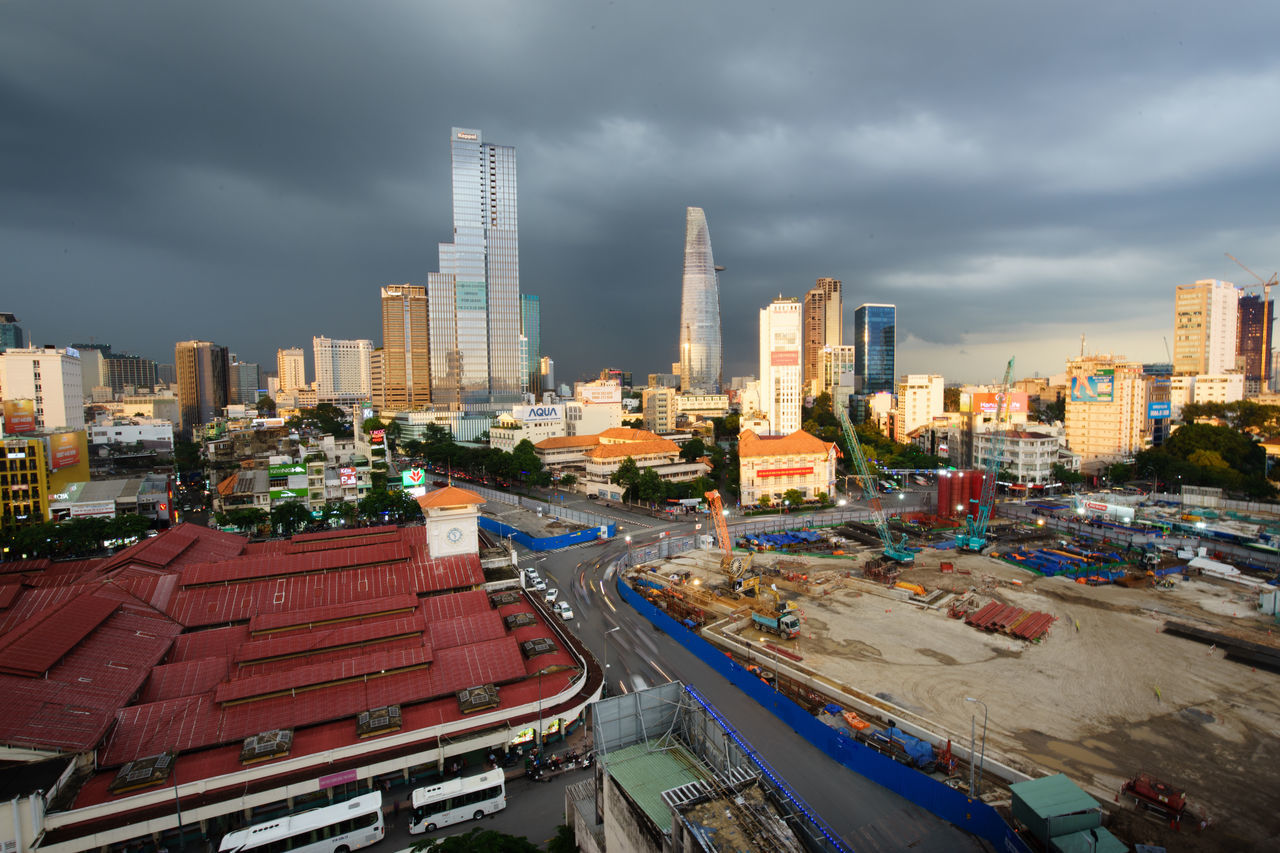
(1104, 695)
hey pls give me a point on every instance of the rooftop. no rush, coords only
(798, 443)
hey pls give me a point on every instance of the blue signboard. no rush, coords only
(1160, 409)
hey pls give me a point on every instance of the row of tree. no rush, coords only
(290, 517)
(75, 537)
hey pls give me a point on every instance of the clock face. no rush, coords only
(454, 534)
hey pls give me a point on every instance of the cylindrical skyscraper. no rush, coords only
(700, 362)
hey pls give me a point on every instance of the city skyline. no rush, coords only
(1009, 194)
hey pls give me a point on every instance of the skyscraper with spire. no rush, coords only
(700, 361)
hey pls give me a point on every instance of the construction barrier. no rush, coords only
(545, 543)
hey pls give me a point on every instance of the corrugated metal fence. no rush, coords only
(544, 543)
(551, 508)
(947, 803)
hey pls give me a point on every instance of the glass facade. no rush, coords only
(700, 363)
(531, 330)
(875, 331)
(475, 306)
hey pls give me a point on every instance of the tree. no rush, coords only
(1054, 410)
(563, 841)
(795, 497)
(266, 406)
(693, 450)
(627, 475)
(246, 519)
(568, 480)
(1065, 475)
(479, 841)
(951, 398)
(186, 454)
(765, 500)
(651, 488)
(525, 462)
(289, 517)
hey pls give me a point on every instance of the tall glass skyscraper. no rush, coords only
(700, 362)
(474, 301)
(531, 331)
(875, 343)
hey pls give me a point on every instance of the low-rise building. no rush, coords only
(703, 405)
(770, 466)
(150, 433)
(595, 458)
(1220, 388)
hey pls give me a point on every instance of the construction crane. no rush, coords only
(1266, 313)
(975, 536)
(896, 551)
(733, 565)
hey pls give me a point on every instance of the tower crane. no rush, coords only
(896, 551)
(975, 536)
(1266, 312)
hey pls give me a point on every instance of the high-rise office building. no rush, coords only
(823, 327)
(203, 370)
(1204, 327)
(1107, 416)
(781, 371)
(122, 371)
(406, 358)
(1253, 342)
(919, 402)
(12, 336)
(547, 373)
(700, 354)
(475, 309)
(48, 376)
(531, 330)
(246, 381)
(291, 369)
(342, 369)
(875, 348)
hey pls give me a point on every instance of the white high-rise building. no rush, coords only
(1204, 327)
(291, 369)
(781, 365)
(342, 368)
(51, 378)
(919, 401)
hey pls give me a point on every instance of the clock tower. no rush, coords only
(451, 521)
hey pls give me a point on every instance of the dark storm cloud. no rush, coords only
(1011, 176)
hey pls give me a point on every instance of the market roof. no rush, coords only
(449, 496)
(1053, 795)
(798, 443)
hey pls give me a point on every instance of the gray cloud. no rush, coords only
(1011, 176)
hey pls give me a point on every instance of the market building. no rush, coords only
(769, 466)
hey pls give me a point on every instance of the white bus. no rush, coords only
(339, 828)
(456, 800)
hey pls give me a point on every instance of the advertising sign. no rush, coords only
(347, 476)
(288, 470)
(784, 357)
(538, 414)
(100, 509)
(1098, 388)
(19, 416)
(64, 450)
(287, 495)
(377, 436)
(1160, 409)
(414, 477)
(785, 472)
(988, 402)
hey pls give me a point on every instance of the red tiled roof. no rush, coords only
(450, 633)
(656, 447)
(339, 535)
(469, 603)
(798, 443)
(16, 567)
(330, 543)
(557, 442)
(9, 594)
(215, 642)
(298, 643)
(33, 647)
(266, 623)
(313, 675)
(187, 678)
(628, 434)
(279, 565)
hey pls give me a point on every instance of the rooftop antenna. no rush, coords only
(1082, 344)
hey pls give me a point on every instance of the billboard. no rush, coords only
(538, 414)
(988, 401)
(1159, 409)
(64, 450)
(94, 509)
(287, 470)
(1098, 388)
(19, 416)
(413, 478)
(347, 476)
(378, 436)
(784, 358)
(288, 495)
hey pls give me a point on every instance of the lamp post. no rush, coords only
(983, 758)
(604, 645)
(629, 561)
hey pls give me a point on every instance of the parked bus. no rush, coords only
(339, 828)
(456, 800)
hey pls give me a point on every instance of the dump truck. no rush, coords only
(784, 624)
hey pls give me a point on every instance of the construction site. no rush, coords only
(1153, 685)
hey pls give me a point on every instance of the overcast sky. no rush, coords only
(1011, 175)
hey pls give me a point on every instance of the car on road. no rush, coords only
(594, 497)
(538, 583)
(551, 595)
(563, 610)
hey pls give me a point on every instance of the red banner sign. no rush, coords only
(64, 450)
(785, 472)
(347, 476)
(19, 416)
(784, 358)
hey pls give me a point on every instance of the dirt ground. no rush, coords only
(1104, 695)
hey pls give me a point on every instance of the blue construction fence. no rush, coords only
(547, 543)
(953, 806)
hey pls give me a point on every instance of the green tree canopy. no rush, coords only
(693, 449)
(289, 517)
(266, 406)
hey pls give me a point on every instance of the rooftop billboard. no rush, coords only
(1099, 388)
(19, 416)
(64, 449)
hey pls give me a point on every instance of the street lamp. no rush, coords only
(604, 644)
(983, 759)
(628, 538)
